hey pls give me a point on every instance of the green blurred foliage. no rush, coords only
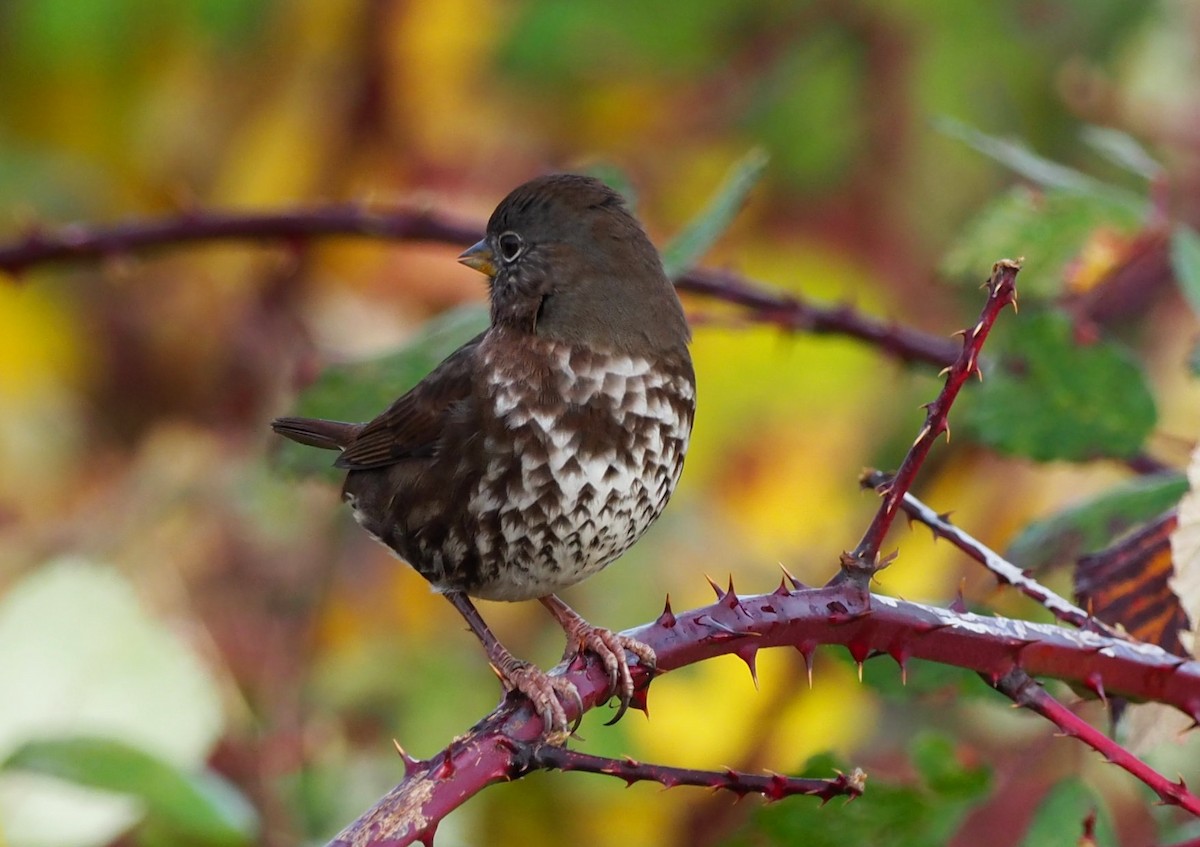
(200, 808)
(1048, 396)
(688, 247)
(357, 391)
(1046, 229)
(1185, 258)
(1061, 815)
(926, 811)
(920, 679)
(1092, 525)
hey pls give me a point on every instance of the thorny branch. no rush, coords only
(861, 563)
(867, 625)
(1029, 694)
(543, 756)
(1004, 570)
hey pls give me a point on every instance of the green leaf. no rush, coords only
(686, 248)
(1019, 158)
(933, 755)
(1047, 229)
(1096, 523)
(1123, 150)
(359, 391)
(1048, 397)
(1185, 260)
(896, 814)
(201, 808)
(1060, 816)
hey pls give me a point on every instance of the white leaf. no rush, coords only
(80, 656)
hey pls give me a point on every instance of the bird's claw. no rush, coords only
(610, 648)
(547, 694)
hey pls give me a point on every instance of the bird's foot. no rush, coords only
(547, 694)
(610, 648)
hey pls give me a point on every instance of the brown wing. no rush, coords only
(411, 427)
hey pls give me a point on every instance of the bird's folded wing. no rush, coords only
(412, 426)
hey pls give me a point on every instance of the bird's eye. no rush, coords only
(511, 246)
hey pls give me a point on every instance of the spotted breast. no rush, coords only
(588, 447)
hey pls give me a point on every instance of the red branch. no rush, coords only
(542, 756)
(1004, 570)
(864, 561)
(1029, 694)
(867, 625)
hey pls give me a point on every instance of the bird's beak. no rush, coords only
(479, 257)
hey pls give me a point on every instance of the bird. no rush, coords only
(543, 448)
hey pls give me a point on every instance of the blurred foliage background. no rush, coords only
(167, 585)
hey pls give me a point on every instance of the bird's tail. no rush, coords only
(328, 435)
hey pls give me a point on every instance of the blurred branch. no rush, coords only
(1146, 465)
(863, 562)
(494, 750)
(766, 305)
(1004, 570)
(79, 242)
(1029, 694)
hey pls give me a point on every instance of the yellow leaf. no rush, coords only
(38, 342)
